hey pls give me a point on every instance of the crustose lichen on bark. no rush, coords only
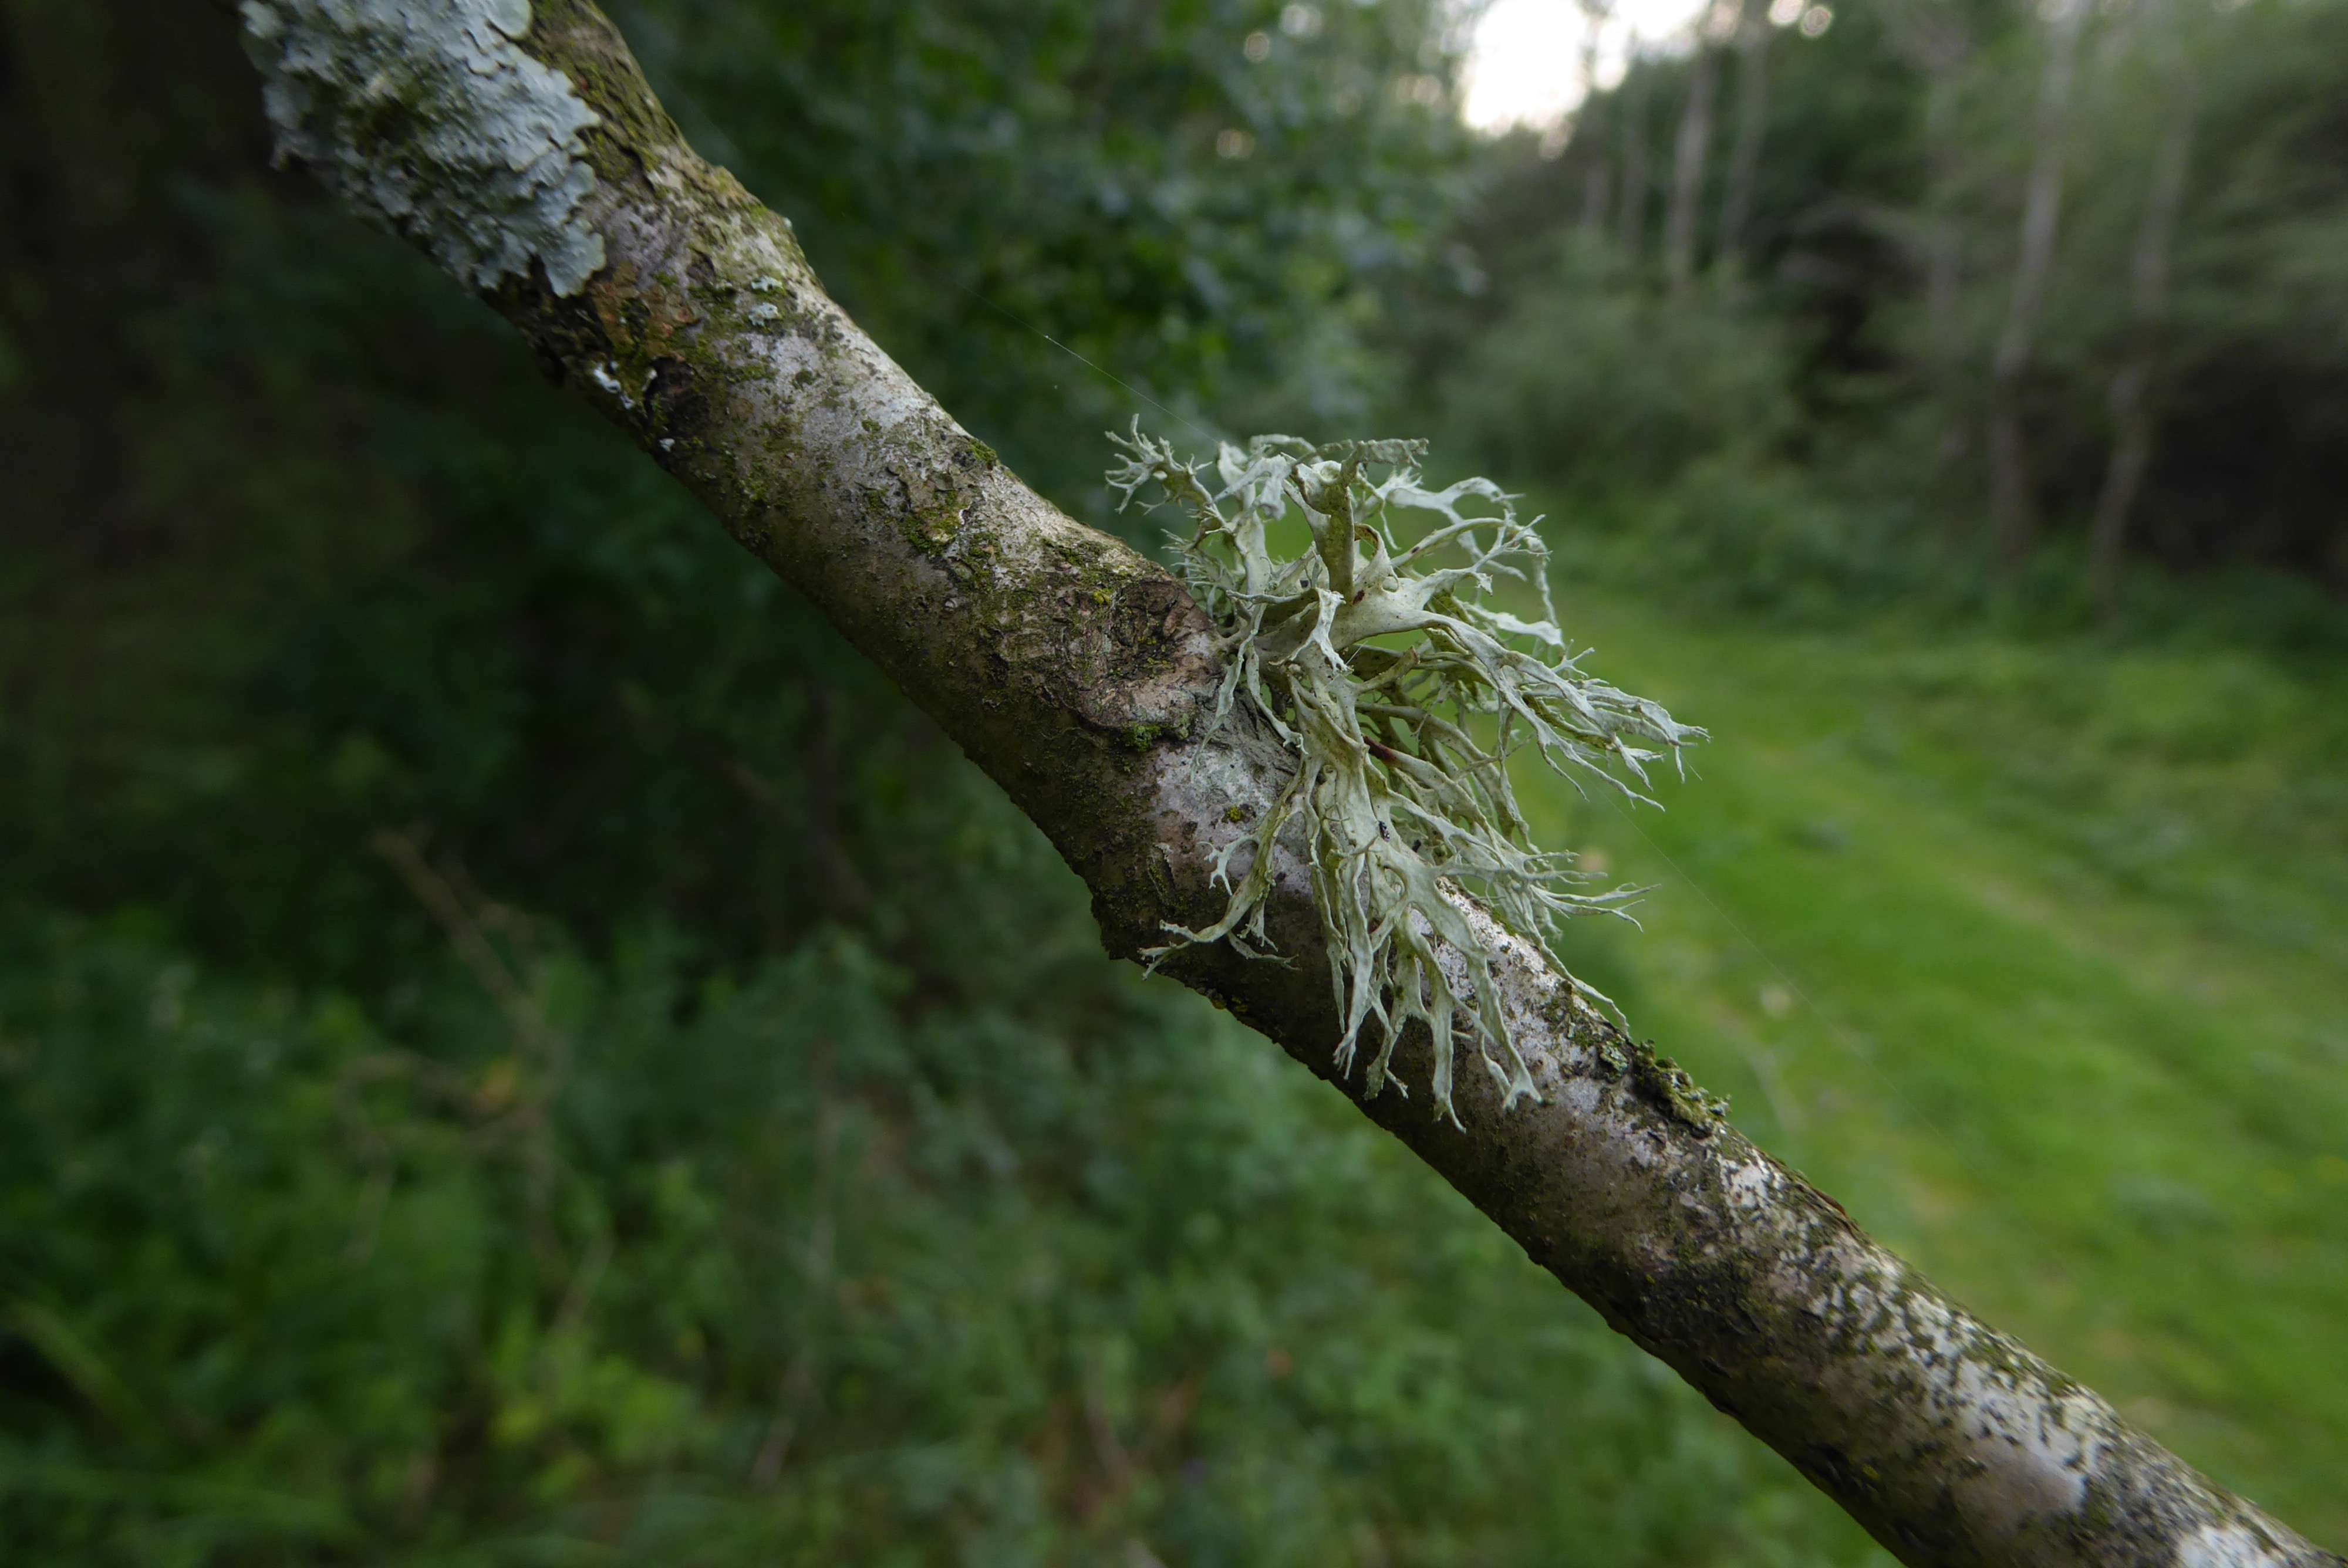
(433, 121)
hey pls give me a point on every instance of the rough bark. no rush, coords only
(2012, 514)
(1076, 673)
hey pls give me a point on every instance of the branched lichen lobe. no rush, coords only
(1378, 669)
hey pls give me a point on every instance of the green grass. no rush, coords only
(2034, 956)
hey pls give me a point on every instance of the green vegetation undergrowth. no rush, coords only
(776, 1269)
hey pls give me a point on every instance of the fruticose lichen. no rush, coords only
(1404, 694)
(427, 117)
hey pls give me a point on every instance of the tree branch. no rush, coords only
(1078, 673)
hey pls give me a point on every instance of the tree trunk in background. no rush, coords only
(1938, 43)
(2130, 397)
(73, 287)
(1635, 177)
(1082, 678)
(1944, 268)
(1597, 176)
(1597, 185)
(1753, 30)
(1690, 150)
(2012, 520)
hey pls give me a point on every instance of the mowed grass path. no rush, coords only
(2034, 958)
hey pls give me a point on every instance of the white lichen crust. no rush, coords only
(1403, 695)
(426, 117)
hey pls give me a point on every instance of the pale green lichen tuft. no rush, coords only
(427, 117)
(1404, 692)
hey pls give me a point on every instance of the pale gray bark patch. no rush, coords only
(427, 117)
(2230, 1546)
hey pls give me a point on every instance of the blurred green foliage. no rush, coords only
(1216, 225)
(1843, 342)
(778, 1269)
(1592, 380)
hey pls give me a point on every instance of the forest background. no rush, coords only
(517, 1047)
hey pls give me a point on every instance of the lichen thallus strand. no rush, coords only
(1374, 660)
